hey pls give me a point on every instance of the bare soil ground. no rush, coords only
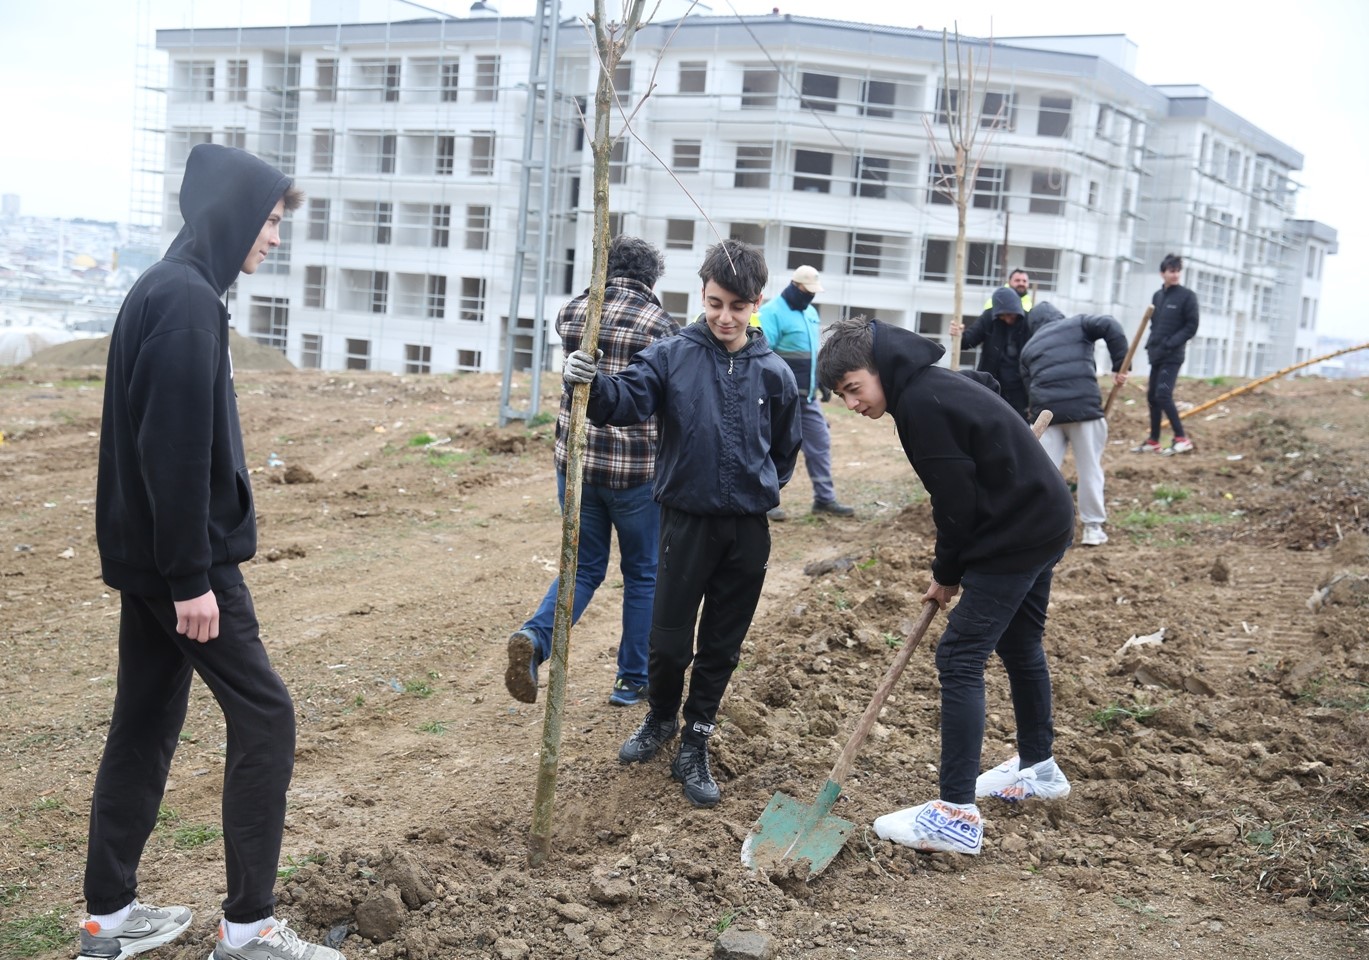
(1221, 777)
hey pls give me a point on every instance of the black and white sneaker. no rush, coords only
(653, 734)
(691, 769)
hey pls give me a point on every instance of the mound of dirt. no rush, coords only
(247, 354)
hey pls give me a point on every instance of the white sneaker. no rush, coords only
(1094, 535)
(1001, 776)
(1043, 781)
(935, 826)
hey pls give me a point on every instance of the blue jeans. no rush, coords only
(1003, 613)
(637, 518)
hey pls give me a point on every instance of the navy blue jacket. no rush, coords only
(173, 505)
(1058, 362)
(999, 503)
(728, 422)
(1174, 323)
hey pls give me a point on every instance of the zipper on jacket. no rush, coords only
(729, 366)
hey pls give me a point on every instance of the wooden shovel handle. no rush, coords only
(867, 721)
(1131, 352)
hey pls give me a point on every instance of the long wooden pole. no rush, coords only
(1131, 352)
(1272, 376)
(610, 51)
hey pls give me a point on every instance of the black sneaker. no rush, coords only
(691, 769)
(834, 508)
(520, 676)
(653, 734)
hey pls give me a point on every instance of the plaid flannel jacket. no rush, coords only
(615, 457)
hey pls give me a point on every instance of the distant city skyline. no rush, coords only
(67, 74)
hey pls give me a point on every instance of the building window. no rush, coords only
(877, 98)
(436, 303)
(372, 152)
(468, 361)
(693, 76)
(193, 81)
(316, 287)
(269, 321)
(1048, 192)
(752, 233)
(675, 304)
(237, 81)
(441, 224)
(1053, 119)
(472, 307)
(319, 214)
(990, 184)
(615, 224)
(358, 354)
(377, 81)
(487, 79)
(1044, 266)
(819, 92)
(882, 177)
(482, 153)
(981, 262)
(450, 74)
(679, 234)
(753, 167)
(879, 255)
(321, 159)
(1000, 111)
(1093, 194)
(617, 161)
(812, 171)
(445, 162)
(325, 81)
(622, 79)
(418, 358)
(686, 154)
(180, 141)
(760, 88)
(807, 245)
(1084, 264)
(1307, 320)
(368, 222)
(235, 137)
(311, 351)
(477, 228)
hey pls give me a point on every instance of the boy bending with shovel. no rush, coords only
(1004, 517)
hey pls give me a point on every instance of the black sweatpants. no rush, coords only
(721, 562)
(1160, 397)
(155, 664)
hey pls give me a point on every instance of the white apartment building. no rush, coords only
(816, 139)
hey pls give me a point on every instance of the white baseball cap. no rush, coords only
(807, 278)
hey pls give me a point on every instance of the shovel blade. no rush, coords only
(790, 833)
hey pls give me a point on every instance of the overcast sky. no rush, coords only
(1294, 69)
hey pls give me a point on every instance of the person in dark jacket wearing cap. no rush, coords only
(790, 323)
(173, 520)
(1061, 376)
(1002, 330)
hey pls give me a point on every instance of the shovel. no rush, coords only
(794, 834)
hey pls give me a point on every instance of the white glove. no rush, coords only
(580, 367)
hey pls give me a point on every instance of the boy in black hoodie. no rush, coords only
(1004, 516)
(173, 520)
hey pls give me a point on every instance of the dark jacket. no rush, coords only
(1174, 323)
(999, 503)
(728, 422)
(1058, 362)
(173, 505)
(1002, 345)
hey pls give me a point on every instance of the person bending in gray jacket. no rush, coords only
(1061, 376)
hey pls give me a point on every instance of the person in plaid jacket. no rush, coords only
(619, 470)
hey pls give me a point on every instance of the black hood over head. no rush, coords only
(900, 356)
(1042, 314)
(226, 196)
(1006, 300)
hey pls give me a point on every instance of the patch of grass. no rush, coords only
(728, 918)
(842, 602)
(1112, 716)
(47, 803)
(893, 641)
(188, 838)
(35, 935)
(1336, 694)
(1144, 909)
(167, 815)
(359, 701)
(421, 439)
(447, 458)
(12, 893)
(91, 381)
(1169, 495)
(1219, 381)
(541, 419)
(435, 727)
(419, 688)
(867, 563)
(292, 866)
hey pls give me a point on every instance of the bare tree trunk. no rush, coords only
(610, 47)
(961, 204)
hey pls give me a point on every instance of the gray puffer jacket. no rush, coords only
(1058, 362)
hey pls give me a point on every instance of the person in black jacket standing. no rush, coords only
(1174, 323)
(173, 520)
(727, 408)
(1002, 329)
(1003, 519)
(1059, 370)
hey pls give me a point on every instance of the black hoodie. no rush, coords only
(999, 503)
(173, 505)
(1002, 345)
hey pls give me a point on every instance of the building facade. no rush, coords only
(818, 140)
